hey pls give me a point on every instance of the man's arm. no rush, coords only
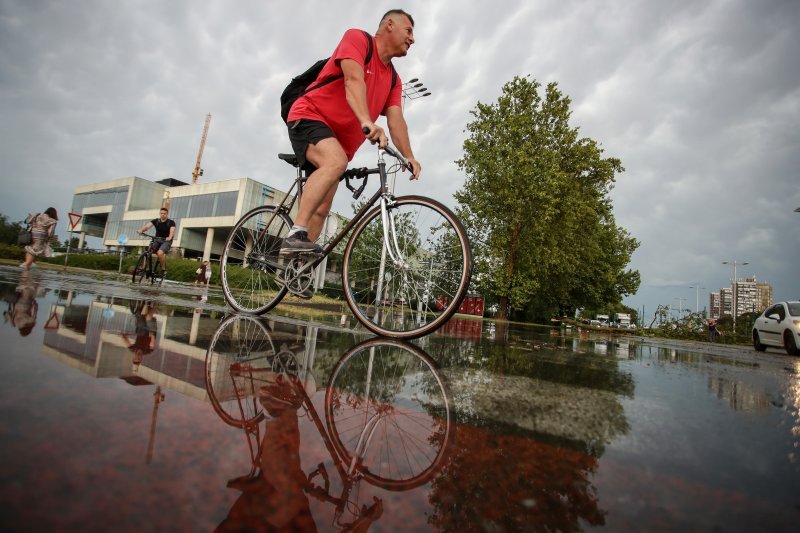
(145, 227)
(398, 129)
(171, 231)
(356, 92)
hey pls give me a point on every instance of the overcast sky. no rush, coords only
(699, 99)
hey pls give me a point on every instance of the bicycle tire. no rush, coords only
(239, 340)
(419, 296)
(140, 270)
(396, 390)
(248, 274)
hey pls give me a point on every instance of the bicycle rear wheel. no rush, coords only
(418, 293)
(240, 353)
(388, 406)
(251, 259)
(140, 270)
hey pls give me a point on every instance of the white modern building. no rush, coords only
(203, 213)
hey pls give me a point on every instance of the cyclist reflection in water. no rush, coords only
(275, 498)
(146, 332)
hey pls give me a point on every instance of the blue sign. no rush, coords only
(122, 239)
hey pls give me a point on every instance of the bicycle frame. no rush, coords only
(385, 196)
(151, 257)
(349, 475)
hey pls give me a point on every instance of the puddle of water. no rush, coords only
(125, 407)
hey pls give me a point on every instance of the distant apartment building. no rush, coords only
(763, 295)
(751, 296)
(714, 305)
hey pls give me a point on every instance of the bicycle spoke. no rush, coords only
(419, 292)
(251, 258)
(241, 350)
(387, 405)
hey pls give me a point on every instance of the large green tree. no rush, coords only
(9, 231)
(536, 205)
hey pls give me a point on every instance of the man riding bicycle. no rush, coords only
(327, 124)
(165, 231)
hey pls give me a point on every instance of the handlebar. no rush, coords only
(145, 234)
(392, 152)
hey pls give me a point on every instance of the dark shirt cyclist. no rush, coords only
(165, 230)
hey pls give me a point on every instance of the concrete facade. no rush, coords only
(203, 213)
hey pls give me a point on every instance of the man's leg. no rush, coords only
(320, 188)
(330, 161)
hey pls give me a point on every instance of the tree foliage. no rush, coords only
(536, 205)
(9, 231)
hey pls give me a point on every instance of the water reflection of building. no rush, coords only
(464, 328)
(91, 337)
(741, 396)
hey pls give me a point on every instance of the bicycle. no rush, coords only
(388, 413)
(148, 266)
(406, 268)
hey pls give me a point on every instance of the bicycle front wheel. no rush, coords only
(251, 259)
(414, 294)
(388, 407)
(240, 354)
(140, 270)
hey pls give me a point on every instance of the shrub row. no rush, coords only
(178, 269)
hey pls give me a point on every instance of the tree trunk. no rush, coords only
(502, 311)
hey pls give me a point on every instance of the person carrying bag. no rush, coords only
(43, 226)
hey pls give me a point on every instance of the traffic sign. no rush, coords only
(74, 218)
(122, 239)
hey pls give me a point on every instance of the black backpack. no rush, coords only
(301, 84)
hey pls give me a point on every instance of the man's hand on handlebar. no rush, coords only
(374, 134)
(415, 169)
(411, 164)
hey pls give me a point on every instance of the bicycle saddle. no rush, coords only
(289, 158)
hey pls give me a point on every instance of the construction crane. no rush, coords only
(197, 170)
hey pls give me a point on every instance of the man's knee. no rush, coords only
(328, 155)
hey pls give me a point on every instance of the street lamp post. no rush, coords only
(734, 303)
(697, 289)
(680, 305)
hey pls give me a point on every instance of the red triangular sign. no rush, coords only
(74, 218)
(53, 322)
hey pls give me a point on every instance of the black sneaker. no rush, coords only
(299, 243)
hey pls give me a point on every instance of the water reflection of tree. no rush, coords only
(509, 483)
(548, 364)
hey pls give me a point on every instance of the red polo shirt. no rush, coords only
(328, 104)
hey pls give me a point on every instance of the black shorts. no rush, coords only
(304, 132)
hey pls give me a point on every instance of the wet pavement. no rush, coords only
(130, 408)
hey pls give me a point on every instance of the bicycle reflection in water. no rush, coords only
(387, 420)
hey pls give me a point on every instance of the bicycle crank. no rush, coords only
(298, 276)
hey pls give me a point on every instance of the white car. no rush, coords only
(778, 326)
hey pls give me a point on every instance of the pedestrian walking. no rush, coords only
(43, 226)
(712, 330)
